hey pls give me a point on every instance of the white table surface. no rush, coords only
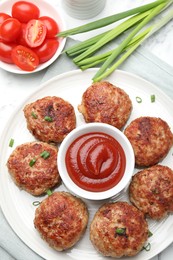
(15, 88)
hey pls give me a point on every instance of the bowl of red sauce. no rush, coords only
(96, 161)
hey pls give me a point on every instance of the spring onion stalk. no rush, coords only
(110, 19)
(92, 61)
(79, 47)
(124, 43)
(99, 40)
(152, 30)
(112, 35)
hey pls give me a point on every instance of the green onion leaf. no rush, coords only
(48, 118)
(109, 19)
(120, 231)
(153, 98)
(36, 203)
(33, 115)
(139, 100)
(49, 192)
(11, 143)
(150, 234)
(45, 154)
(32, 162)
(147, 247)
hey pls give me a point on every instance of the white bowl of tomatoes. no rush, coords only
(28, 35)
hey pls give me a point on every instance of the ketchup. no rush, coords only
(95, 161)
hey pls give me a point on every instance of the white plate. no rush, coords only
(17, 205)
(46, 9)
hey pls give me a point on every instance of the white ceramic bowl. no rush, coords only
(46, 9)
(82, 9)
(116, 134)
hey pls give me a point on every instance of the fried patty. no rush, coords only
(118, 229)
(151, 190)
(106, 103)
(50, 119)
(151, 139)
(61, 219)
(30, 170)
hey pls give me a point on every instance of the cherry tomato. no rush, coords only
(3, 17)
(5, 51)
(51, 25)
(10, 30)
(25, 58)
(35, 33)
(25, 11)
(21, 39)
(46, 51)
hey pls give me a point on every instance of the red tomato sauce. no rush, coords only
(95, 162)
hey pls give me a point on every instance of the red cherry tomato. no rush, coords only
(51, 25)
(46, 51)
(35, 33)
(21, 39)
(25, 58)
(10, 30)
(5, 51)
(3, 17)
(25, 11)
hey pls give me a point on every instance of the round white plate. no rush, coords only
(46, 9)
(17, 205)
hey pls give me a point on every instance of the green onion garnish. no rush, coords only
(139, 100)
(45, 154)
(120, 231)
(33, 115)
(150, 234)
(36, 203)
(48, 119)
(11, 143)
(153, 98)
(49, 192)
(32, 162)
(147, 247)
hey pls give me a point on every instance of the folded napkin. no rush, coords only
(141, 63)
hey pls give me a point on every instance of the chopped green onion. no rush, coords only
(36, 203)
(32, 162)
(49, 192)
(153, 98)
(147, 247)
(33, 115)
(11, 143)
(45, 154)
(139, 100)
(48, 119)
(150, 234)
(120, 231)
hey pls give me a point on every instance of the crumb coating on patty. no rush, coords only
(61, 219)
(50, 119)
(106, 103)
(118, 229)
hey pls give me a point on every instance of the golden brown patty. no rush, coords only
(30, 171)
(61, 219)
(50, 119)
(106, 103)
(118, 229)
(151, 139)
(151, 190)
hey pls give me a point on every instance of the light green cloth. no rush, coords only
(141, 63)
